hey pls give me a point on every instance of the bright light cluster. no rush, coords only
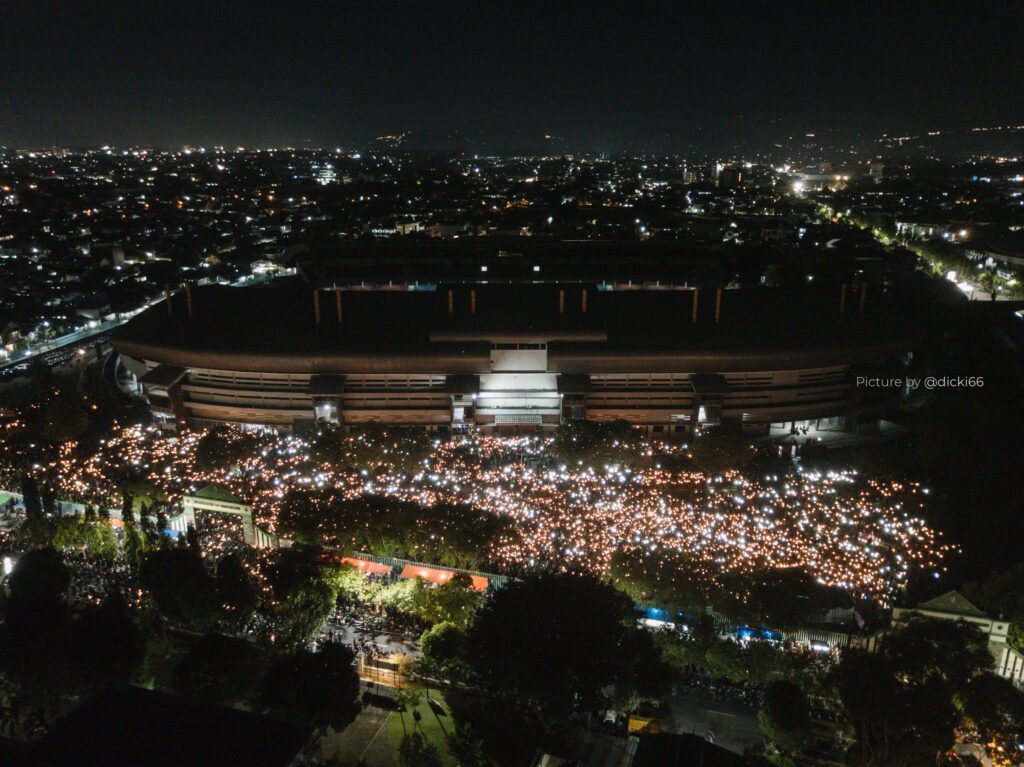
(843, 529)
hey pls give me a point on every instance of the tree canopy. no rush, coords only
(715, 451)
(303, 590)
(555, 640)
(80, 534)
(319, 688)
(218, 669)
(906, 701)
(453, 535)
(443, 646)
(181, 587)
(594, 443)
(64, 418)
(785, 716)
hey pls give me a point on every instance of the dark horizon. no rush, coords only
(648, 76)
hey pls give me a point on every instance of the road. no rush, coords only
(726, 723)
(388, 642)
(58, 351)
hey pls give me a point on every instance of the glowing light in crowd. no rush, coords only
(844, 529)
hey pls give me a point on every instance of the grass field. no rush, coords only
(430, 725)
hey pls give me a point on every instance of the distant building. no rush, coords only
(392, 228)
(954, 606)
(443, 231)
(816, 179)
(714, 170)
(922, 230)
(1008, 260)
(730, 178)
(324, 174)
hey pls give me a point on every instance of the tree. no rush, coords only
(554, 640)
(33, 635)
(443, 643)
(763, 661)
(127, 507)
(404, 596)
(222, 447)
(454, 535)
(690, 649)
(1002, 594)
(303, 592)
(104, 645)
(895, 721)
(416, 751)
(715, 451)
(407, 699)
(64, 419)
(39, 582)
(144, 493)
(134, 546)
(664, 579)
(594, 444)
(32, 500)
(903, 700)
(452, 602)
(238, 597)
(724, 658)
(83, 534)
(218, 669)
(951, 651)
(351, 582)
(21, 717)
(993, 711)
(785, 716)
(778, 598)
(991, 282)
(316, 688)
(49, 502)
(467, 748)
(181, 587)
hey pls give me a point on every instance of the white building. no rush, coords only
(954, 606)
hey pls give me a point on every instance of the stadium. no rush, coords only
(517, 357)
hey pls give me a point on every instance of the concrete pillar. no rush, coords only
(177, 404)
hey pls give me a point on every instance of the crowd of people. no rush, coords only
(93, 579)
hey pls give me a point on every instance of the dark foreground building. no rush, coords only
(516, 357)
(131, 726)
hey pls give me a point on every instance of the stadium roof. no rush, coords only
(274, 328)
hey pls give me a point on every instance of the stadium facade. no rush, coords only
(517, 357)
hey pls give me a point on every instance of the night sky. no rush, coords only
(629, 75)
